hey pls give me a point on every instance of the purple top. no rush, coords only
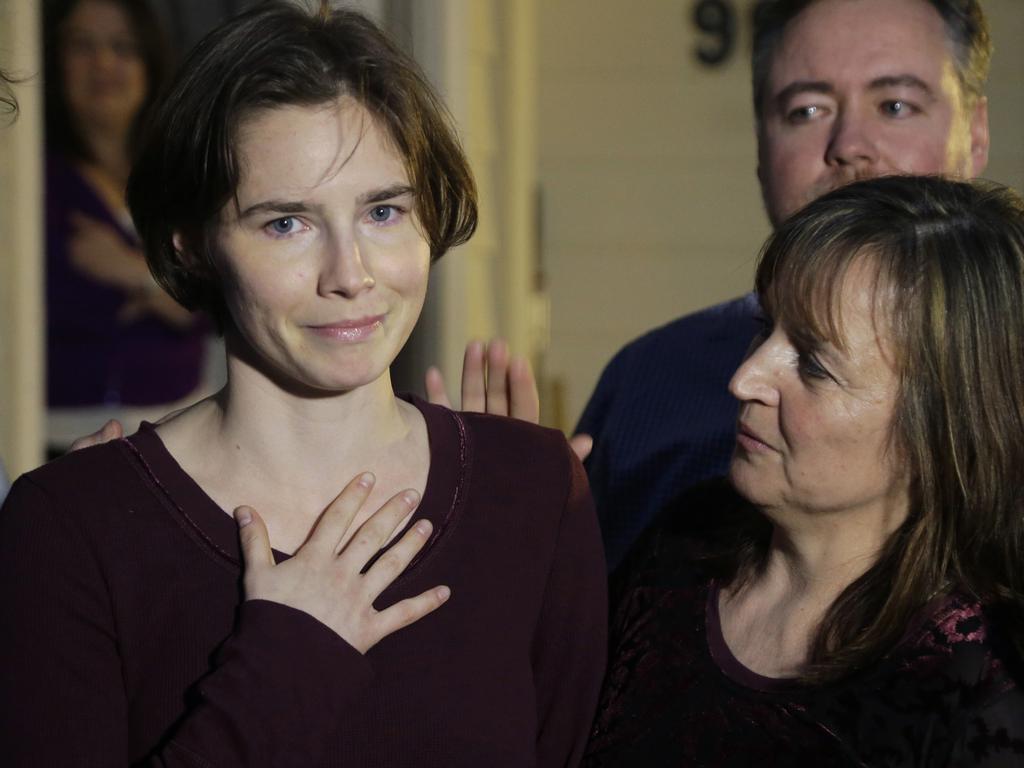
(948, 695)
(125, 638)
(93, 358)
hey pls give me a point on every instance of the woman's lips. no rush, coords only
(750, 440)
(349, 330)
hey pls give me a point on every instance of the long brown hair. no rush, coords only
(949, 289)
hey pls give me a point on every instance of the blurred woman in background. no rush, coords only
(117, 344)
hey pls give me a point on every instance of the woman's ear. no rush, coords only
(178, 240)
(189, 255)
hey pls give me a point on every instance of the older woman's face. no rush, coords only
(105, 80)
(323, 263)
(814, 421)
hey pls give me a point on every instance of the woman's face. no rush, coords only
(814, 420)
(105, 80)
(323, 263)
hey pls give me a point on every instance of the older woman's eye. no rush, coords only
(810, 367)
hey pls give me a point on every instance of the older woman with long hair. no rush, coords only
(855, 594)
(304, 569)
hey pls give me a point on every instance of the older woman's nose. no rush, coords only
(754, 380)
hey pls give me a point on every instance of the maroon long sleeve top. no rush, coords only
(125, 638)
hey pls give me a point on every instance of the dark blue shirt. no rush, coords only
(662, 417)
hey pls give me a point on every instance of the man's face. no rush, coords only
(863, 88)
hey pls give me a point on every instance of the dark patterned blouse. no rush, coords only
(949, 694)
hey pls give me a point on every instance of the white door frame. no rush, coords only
(22, 315)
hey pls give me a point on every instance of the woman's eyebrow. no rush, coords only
(277, 206)
(387, 193)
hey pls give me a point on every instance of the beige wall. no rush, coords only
(481, 55)
(647, 160)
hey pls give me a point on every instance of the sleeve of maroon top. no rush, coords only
(569, 649)
(272, 688)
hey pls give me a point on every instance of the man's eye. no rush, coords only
(898, 108)
(803, 114)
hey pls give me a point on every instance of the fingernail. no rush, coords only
(243, 516)
(443, 593)
(423, 527)
(411, 497)
(366, 480)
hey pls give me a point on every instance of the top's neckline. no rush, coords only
(215, 527)
(729, 665)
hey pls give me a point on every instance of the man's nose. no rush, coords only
(853, 143)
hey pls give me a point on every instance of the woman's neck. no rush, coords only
(771, 619)
(818, 557)
(289, 454)
(295, 435)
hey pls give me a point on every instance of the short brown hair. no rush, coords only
(966, 29)
(278, 55)
(949, 293)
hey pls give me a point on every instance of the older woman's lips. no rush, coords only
(750, 441)
(349, 330)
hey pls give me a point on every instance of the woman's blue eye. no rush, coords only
(381, 213)
(282, 226)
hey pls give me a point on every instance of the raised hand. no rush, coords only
(323, 577)
(494, 382)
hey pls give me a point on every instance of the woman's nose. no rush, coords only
(344, 271)
(755, 379)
